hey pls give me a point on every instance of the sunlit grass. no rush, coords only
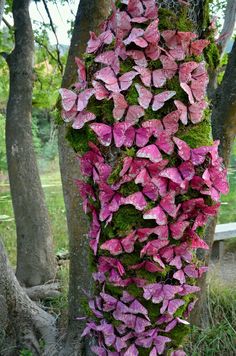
(219, 338)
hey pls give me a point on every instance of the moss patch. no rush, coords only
(79, 139)
(172, 21)
(197, 135)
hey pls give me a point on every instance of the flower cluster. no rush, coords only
(147, 271)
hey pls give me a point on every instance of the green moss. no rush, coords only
(126, 218)
(126, 65)
(178, 334)
(85, 306)
(168, 20)
(89, 60)
(174, 84)
(115, 174)
(129, 188)
(155, 64)
(103, 110)
(106, 111)
(79, 139)
(131, 152)
(132, 95)
(197, 135)
(134, 290)
(212, 55)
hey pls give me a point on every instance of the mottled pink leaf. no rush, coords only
(103, 132)
(160, 99)
(82, 118)
(184, 150)
(135, 199)
(151, 152)
(156, 214)
(145, 96)
(177, 229)
(68, 99)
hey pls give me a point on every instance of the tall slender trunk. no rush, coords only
(35, 260)
(89, 15)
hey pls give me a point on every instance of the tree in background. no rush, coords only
(35, 259)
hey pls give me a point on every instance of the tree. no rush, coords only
(22, 322)
(110, 160)
(89, 16)
(35, 260)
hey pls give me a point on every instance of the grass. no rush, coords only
(218, 339)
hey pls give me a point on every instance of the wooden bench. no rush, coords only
(223, 232)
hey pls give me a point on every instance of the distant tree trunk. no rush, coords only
(2, 4)
(224, 109)
(89, 15)
(224, 129)
(35, 260)
(22, 322)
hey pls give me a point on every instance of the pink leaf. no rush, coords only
(160, 99)
(184, 150)
(68, 99)
(135, 199)
(156, 214)
(82, 118)
(113, 246)
(151, 152)
(104, 133)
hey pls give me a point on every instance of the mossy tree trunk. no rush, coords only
(35, 258)
(88, 18)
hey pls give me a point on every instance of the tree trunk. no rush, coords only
(2, 4)
(89, 15)
(224, 129)
(224, 109)
(22, 322)
(35, 260)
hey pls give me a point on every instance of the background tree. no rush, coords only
(35, 260)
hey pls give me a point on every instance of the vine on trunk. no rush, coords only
(139, 121)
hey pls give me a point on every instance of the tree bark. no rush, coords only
(224, 109)
(22, 322)
(35, 260)
(89, 15)
(2, 4)
(229, 23)
(226, 34)
(224, 129)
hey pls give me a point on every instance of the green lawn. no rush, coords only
(53, 192)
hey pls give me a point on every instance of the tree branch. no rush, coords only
(229, 23)
(55, 34)
(2, 4)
